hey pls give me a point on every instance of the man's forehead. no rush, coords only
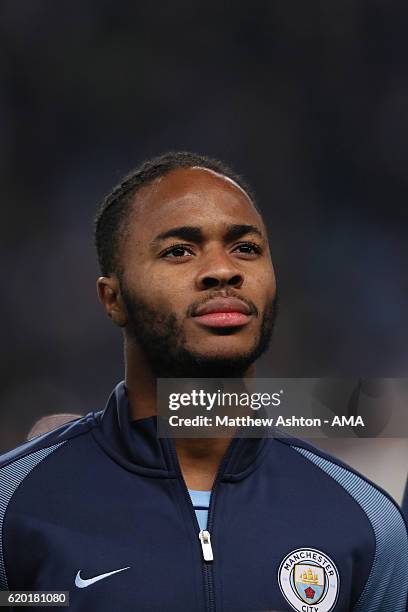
(194, 191)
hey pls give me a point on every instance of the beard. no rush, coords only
(163, 340)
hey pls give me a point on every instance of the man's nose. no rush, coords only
(219, 271)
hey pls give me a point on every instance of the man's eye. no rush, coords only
(248, 248)
(176, 251)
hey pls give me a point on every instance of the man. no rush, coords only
(102, 507)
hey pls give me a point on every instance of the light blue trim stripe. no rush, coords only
(11, 477)
(387, 585)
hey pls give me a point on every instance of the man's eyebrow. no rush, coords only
(238, 230)
(193, 233)
(190, 233)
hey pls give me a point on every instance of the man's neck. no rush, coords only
(141, 383)
(199, 458)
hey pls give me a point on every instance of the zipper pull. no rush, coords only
(205, 540)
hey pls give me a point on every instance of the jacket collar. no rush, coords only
(137, 447)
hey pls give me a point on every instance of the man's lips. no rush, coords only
(223, 312)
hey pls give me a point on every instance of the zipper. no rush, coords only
(205, 539)
(204, 535)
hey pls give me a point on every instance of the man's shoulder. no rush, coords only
(381, 510)
(44, 444)
(334, 467)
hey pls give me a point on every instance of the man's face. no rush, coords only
(197, 283)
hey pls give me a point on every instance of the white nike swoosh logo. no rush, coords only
(82, 584)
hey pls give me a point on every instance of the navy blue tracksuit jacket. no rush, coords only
(289, 527)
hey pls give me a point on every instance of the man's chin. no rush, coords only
(221, 348)
(218, 364)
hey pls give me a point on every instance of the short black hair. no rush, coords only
(113, 213)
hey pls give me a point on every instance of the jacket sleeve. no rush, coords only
(12, 475)
(386, 588)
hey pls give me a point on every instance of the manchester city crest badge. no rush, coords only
(309, 578)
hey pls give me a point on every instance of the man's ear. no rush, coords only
(108, 289)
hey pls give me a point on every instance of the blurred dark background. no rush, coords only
(308, 100)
